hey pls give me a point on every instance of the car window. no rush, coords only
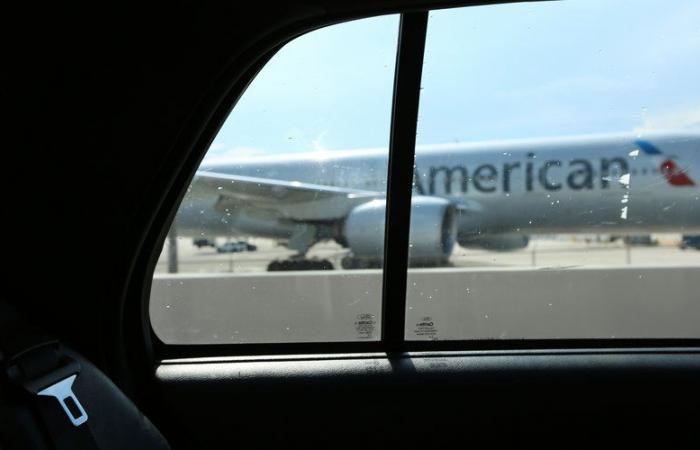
(294, 180)
(557, 177)
(555, 189)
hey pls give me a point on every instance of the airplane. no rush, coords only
(489, 195)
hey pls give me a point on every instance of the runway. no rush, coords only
(542, 252)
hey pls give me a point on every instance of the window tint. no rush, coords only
(280, 198)
(557, 176)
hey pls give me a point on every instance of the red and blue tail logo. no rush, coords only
(675, 175)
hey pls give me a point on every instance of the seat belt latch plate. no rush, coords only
(63, 392)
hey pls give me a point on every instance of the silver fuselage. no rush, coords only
(598, 184)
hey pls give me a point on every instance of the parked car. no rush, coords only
(250, 247)
(690, 241)
(231, 247)
(236, 247)
(203, 242)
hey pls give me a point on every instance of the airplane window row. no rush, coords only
(556, 185)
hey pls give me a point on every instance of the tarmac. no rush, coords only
(542, 252)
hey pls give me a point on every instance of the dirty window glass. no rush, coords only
(557, 177)
(290, 194)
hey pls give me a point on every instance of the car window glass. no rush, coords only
(557, 177)
(292, 185)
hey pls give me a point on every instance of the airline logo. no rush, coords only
(675, 175)
(548, 175)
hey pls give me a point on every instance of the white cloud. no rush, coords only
(317, 144)
(222, 154)
(682, 118)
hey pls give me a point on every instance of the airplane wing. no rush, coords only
(287, 199)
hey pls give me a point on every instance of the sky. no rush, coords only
(490, 73)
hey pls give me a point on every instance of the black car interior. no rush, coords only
(111, 108)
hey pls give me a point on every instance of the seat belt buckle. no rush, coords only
(63, 392)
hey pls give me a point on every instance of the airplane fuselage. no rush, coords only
(618, 184)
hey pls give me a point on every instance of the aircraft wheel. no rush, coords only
(325, 265)
(299, 264)
(349, 263)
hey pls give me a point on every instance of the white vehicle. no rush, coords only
(231, 247)
(488, 195)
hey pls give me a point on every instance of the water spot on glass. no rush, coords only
(623, 213)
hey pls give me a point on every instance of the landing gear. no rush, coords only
(303, 237)
(299, 264)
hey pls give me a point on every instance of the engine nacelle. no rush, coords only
(496, 242)
(432, 235)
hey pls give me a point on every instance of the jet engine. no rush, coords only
(431, 238)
